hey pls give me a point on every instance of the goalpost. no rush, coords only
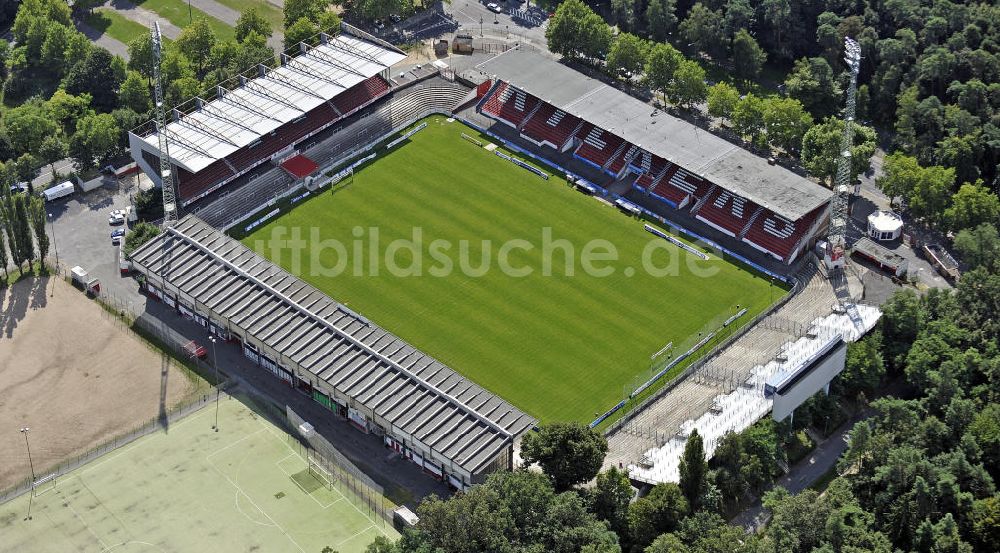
(319, 473)
(44, 484)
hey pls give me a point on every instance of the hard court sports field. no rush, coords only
(192, 489)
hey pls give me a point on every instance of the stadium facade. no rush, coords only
(449, 426)
(736, 192)
(214, 142)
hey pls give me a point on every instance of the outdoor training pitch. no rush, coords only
(191, 489)
(560, 347)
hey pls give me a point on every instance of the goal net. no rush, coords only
(44, 484)
(319, 473)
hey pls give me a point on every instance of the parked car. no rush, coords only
(395, 18)
(18, 187)
(117, 217)
(494, 7)
(116, 235)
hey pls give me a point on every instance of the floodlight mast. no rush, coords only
(166, 178)
(837, 239)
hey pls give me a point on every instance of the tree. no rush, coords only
(688, 86)
(971, 206)
(309, 9)
(979, 246)
(251, 21)
(722, 99)
(139, 234)
(196, 41)
(661, 19)
(657, 513)
(821, 149)
(569, 453)
(786, 122)
(140, 55)
(99, 75)
(53, 149)
(67, 109)
(693, 468)
(624, 13)
(28, 125)
(610, 498)
(627, 56)
(134, 93)
(95, 139)
(661, 64)
(595, 37)
(704, 30)
(300, 31)
(667, 543)
(812, 82)
(864, 368)
(748, 118)
(566, 30)
(35, 208)
(748, 56)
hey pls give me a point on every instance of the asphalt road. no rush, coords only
(473, 17)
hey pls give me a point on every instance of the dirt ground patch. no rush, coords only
(73, 376)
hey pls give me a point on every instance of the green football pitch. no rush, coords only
(561, 344)
(191, 489)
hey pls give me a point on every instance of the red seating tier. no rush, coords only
(510, 104)
(618, 163)
(191, 185)
(777, 234)
(539, 129)
(595, 154)
(727, 211)
(360, 94)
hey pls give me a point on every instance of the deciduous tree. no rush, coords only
(748, 56)
(693, 469)
(688, 86)
(196, 42)
(722, 99)
(569, 453)
(251, 21)
(627, 56)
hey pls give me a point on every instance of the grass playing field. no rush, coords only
(192, 489)
(561, 347)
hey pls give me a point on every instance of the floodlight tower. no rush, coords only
(166, 178)
(837, 239)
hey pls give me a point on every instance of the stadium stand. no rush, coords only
(510, 105)
(193, 184)
(598, 145)
(282, 322)
(727, 212)
(360, 95)
(777, 236)
(214, 142)
(550, 126)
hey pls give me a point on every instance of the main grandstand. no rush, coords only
(733, 191)
(214, 142)
(444, 423)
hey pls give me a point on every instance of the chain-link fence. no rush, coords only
(331, 465)
(139, 430)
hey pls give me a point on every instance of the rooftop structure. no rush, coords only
(410, 396)
(698, 151)
(243, 115)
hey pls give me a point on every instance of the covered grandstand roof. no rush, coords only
(696, 150)
(241, 116)
(414, 392)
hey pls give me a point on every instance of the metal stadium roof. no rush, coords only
(414, 392)
(696, 150)
(279, 96)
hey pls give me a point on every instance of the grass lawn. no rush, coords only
(268, 11)
(192, 489)
(176, 11)
(561, 347)
(115, 25)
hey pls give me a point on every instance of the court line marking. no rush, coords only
(285, 443)
(254, 503)
(369, 527)
(289, 475)
(87, 526)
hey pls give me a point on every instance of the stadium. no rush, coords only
(451, 371)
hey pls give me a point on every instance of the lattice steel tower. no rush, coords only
(837, 239)
(166, 178)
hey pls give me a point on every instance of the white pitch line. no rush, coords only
(356, 535)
